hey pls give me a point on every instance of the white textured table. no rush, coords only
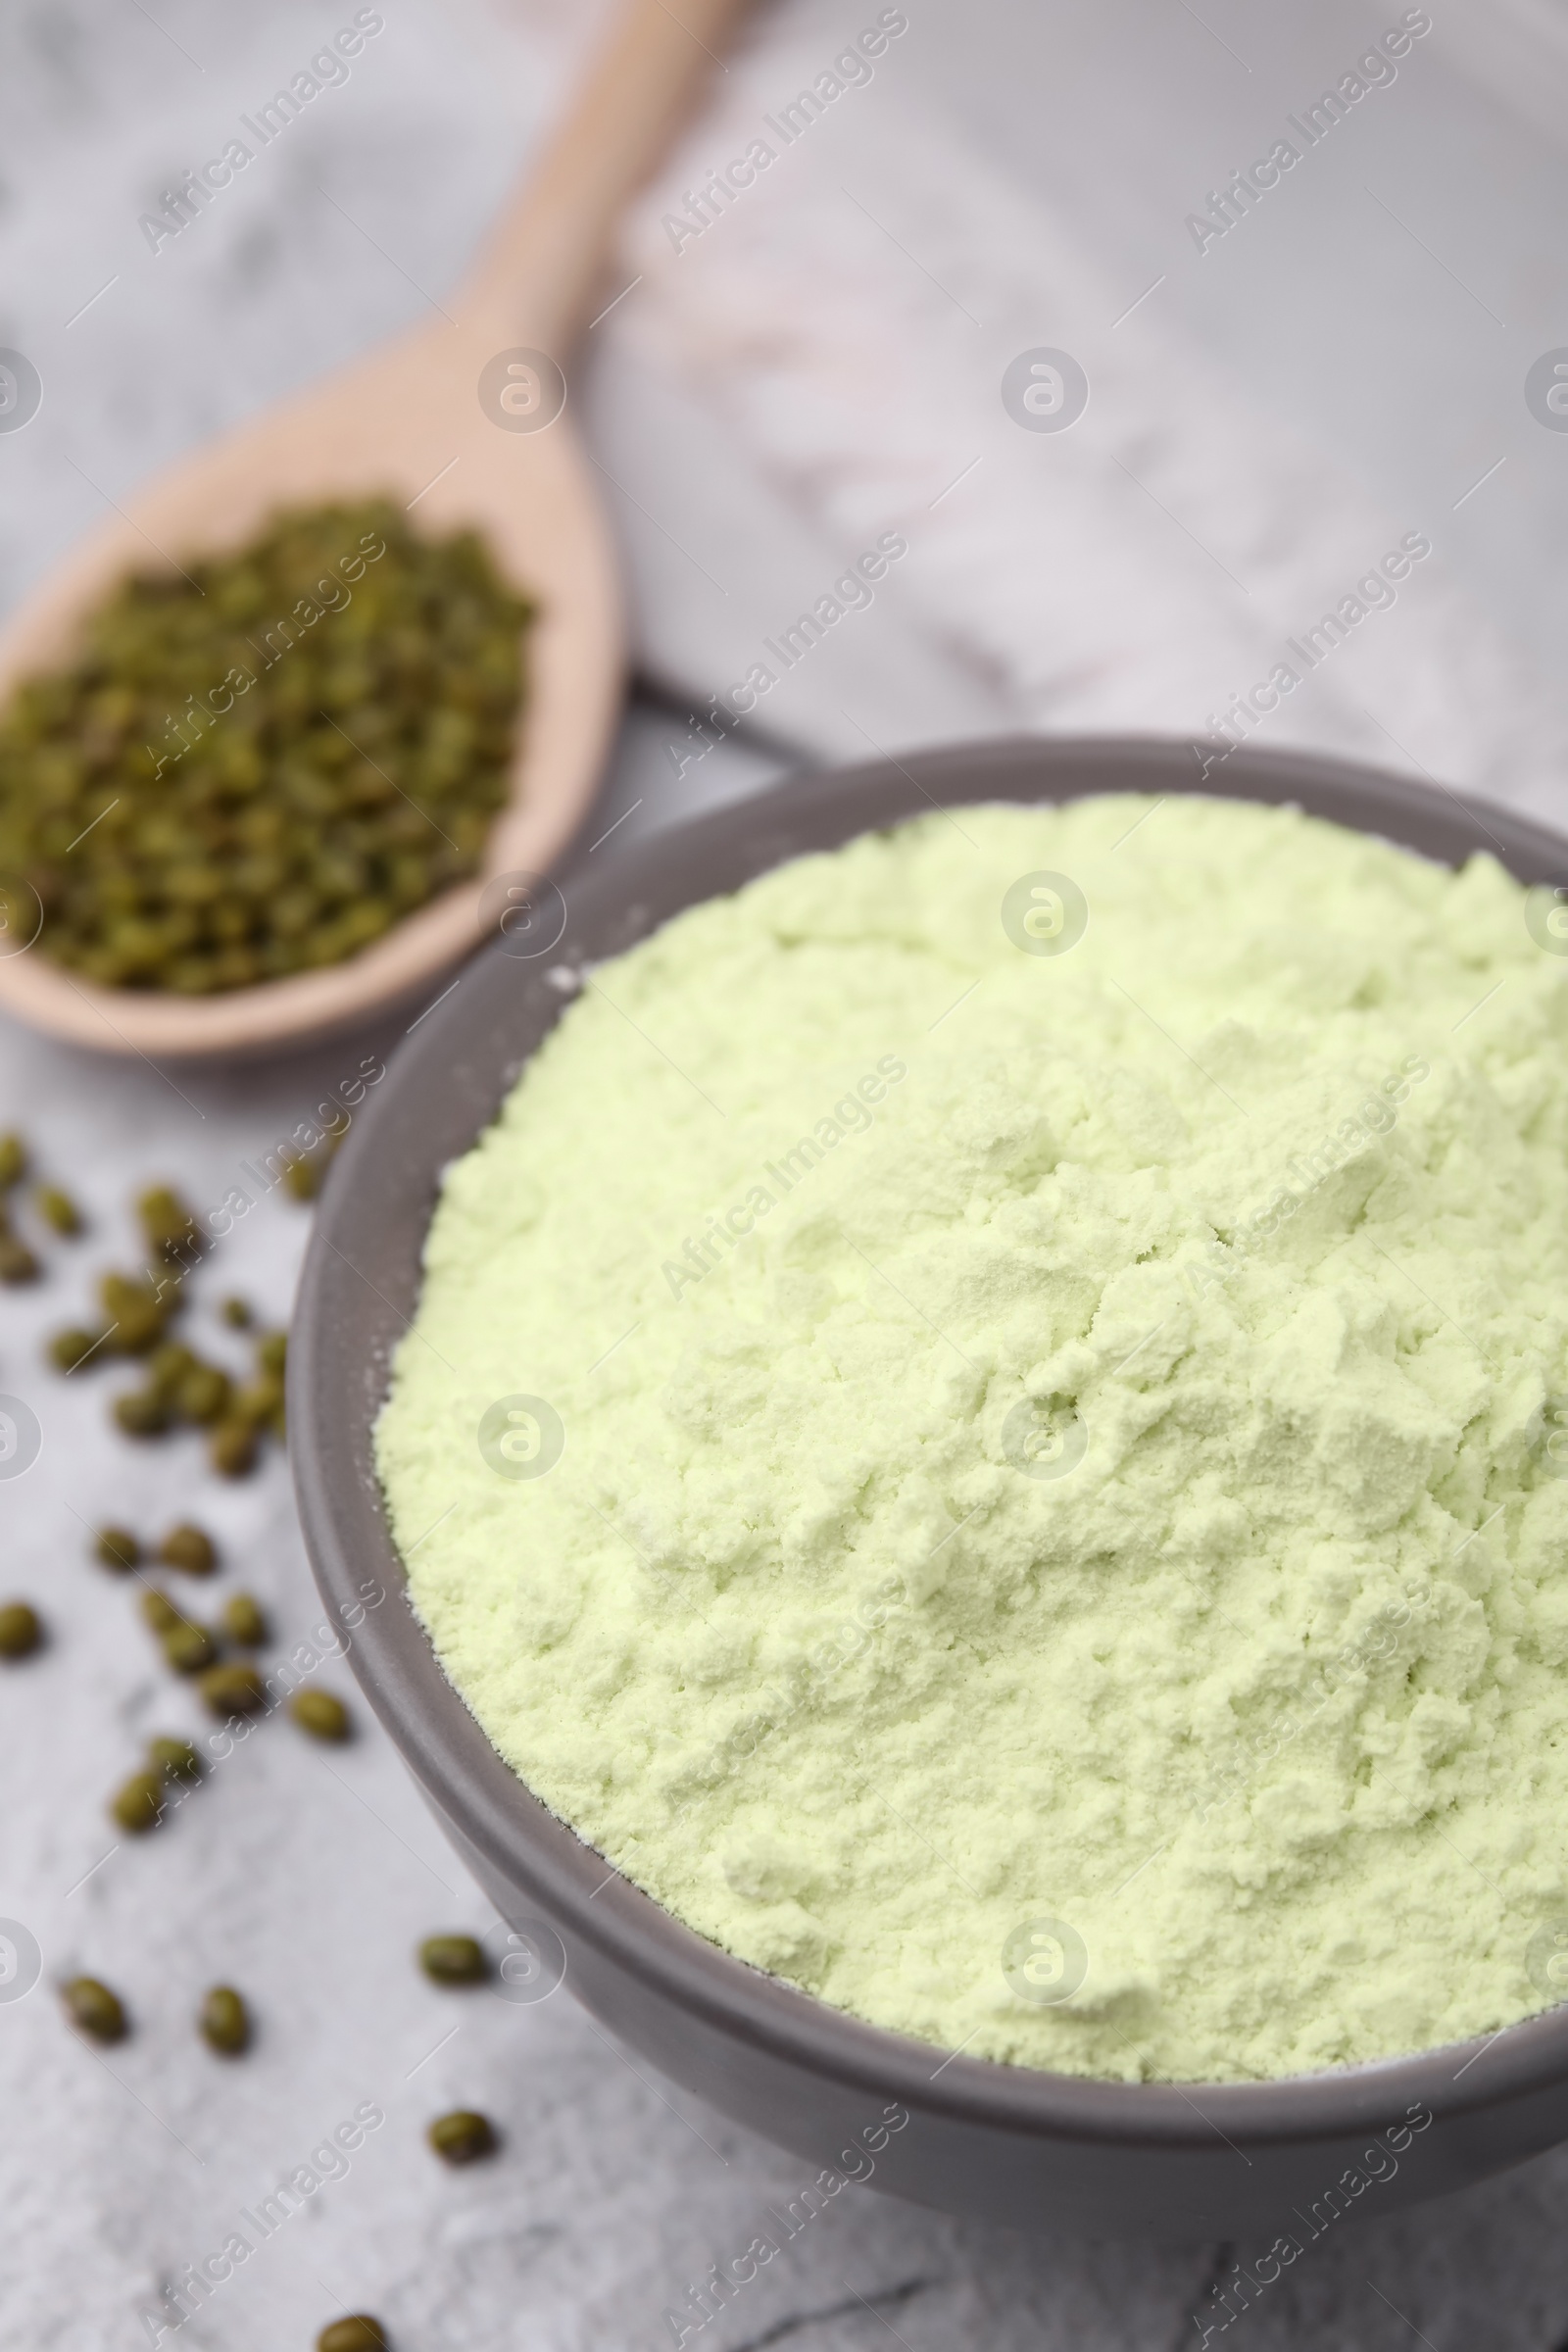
(816, 369)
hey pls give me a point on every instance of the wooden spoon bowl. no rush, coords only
(435, 421)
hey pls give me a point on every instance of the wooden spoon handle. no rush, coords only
(540, 267)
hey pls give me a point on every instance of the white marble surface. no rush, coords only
(820, 364)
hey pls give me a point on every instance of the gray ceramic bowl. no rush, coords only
(1010, 2144)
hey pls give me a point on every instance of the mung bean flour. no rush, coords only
(982, 1425)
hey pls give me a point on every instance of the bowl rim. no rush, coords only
(345, 1323)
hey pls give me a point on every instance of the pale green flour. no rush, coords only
(1239, 1655)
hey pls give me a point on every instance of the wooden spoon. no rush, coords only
(456, 424)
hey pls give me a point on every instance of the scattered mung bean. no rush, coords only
(168, 1226)
(203, 1395)
(233, 1449)
(188, 1548)
(176, 1759)
(189, 1648)
(72, 1347)
(225, 2021)
(21, 1632)
(142, 1413)
(461, 2136)
(17, 1263)
(454, 1960)
(243, 1619)
(58, 1210)
(94, 2010)
(234, 1688)
(137, 1804)
(319, 1713)
(360, 2334)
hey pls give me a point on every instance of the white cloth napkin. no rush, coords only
(821, 361)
